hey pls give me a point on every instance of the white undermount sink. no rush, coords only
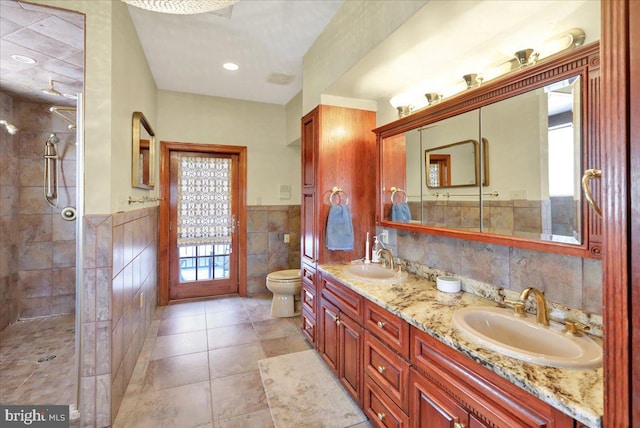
(373, 272)
(522, 338)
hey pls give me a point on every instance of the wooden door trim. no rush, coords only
(163, 243)
(616, 277)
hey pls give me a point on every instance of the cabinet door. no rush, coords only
(309, 143)
(350, 368)
(308, 228)
(328, 336)
(430, 407)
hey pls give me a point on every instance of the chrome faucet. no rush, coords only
(386, 258)
(541, 315)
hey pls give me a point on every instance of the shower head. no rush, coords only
(11, 128)
(53, 138)
(51, 90)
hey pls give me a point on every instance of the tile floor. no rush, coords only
(28, 374)
(198, 366)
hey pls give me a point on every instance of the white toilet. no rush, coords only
(285, 286)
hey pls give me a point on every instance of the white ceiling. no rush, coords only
(186, 52)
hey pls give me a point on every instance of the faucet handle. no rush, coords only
(575, 328)
(518, 307)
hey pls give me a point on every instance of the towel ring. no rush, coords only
(395, 190)
(336, 192)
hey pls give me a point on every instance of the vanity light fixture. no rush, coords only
(472, 80)
(23, 59)
(230, 66)
(407, 103)
(433, 97)
(182, 7)
(526, 56)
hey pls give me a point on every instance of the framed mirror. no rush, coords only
(455, 165)
(530, 135)
(142, 153)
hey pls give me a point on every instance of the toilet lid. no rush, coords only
(284, 275)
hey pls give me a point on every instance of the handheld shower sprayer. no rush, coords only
(51, 170)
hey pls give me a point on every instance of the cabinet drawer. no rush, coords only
(348, 301)
(388, 327)
(308, 327)
(381, 411)
(387, 369)
(308, 275)
(308, 299)
(478, 389)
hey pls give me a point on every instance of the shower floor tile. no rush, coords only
(28, 373)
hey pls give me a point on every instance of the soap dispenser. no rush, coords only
(375, 257)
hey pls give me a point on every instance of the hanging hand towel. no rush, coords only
(400, 212)
(339, 234)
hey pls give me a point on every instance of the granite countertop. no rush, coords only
(578, 393)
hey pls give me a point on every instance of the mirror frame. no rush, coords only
(476, 163)
(137, 121)
(583, 61)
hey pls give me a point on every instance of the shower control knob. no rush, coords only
(68, 213)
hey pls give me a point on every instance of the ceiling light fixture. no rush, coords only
(230, 66)
(181, 7)
(51, 90)
(23, 59)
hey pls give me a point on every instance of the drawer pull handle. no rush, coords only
(381, 369)
(381, 324)
(457, 424)
(338, 322)
(381, 416)
(308, 274)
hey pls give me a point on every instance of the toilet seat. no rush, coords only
(288, 275)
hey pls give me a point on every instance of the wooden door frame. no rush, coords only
(163, 241)
(621, 199)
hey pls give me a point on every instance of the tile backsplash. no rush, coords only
(569, 282)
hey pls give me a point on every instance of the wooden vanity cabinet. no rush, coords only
(447, 387)
(341, 337)
(338, 150)
(386, 367)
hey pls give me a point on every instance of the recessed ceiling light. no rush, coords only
(230, 66)
(23, 59)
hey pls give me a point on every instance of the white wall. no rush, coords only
(117, 82)
(261, 127)
(134, 89)
(357, 27)
(294, 114)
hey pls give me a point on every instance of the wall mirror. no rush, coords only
(142, 153)
(454, 165)
(529, 135)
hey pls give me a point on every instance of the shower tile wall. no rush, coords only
(266, 249)
(38, 246)
(9, 194)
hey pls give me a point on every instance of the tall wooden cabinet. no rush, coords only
(338, 150)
